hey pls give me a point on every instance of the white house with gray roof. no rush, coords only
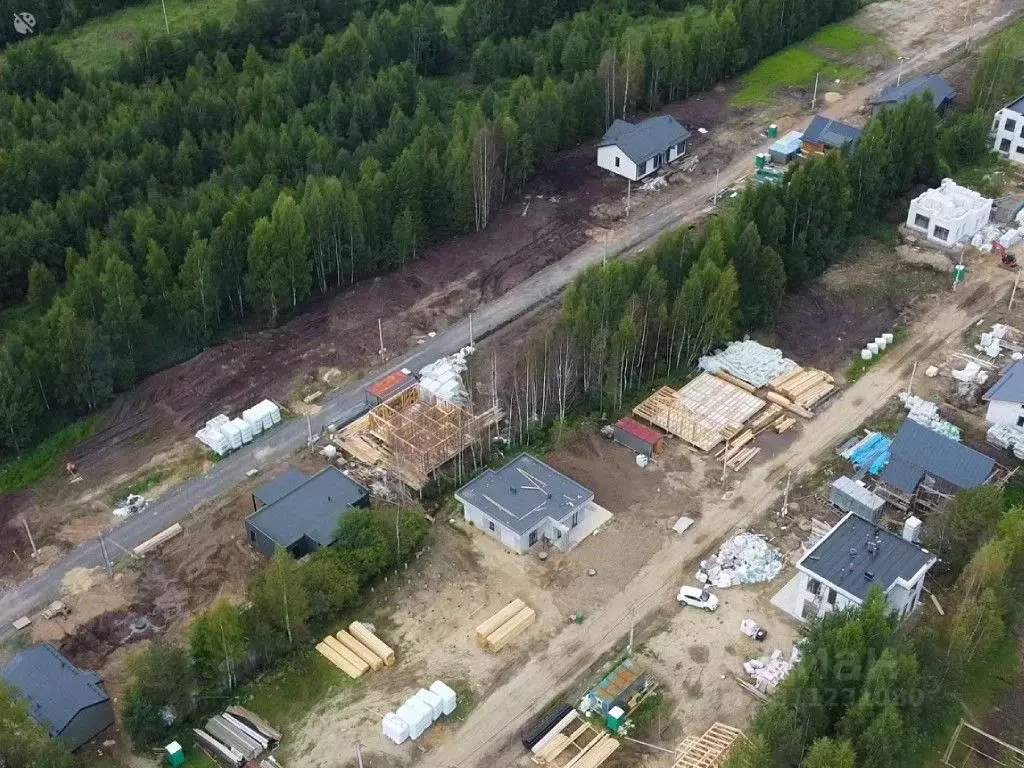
(1006, 398)
(1008, 131)
(854, 556)
(524, 502)
(635, 150)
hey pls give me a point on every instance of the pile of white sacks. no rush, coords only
(746, 558)
(768, 671)
(419, 712)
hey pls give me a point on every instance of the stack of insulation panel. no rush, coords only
(419, 712)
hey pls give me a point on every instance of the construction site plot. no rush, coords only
(413, 434)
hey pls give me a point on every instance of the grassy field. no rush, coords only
(98, 44)
(448, 14)
(45, 457)
(796, 66)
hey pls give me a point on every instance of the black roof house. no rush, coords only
(68, 702)
(941, 92)
(642, 141)
(918, 452)
(301, 513)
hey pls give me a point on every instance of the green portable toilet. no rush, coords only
(615, 717)
(773, 131)
(760, 160)
(175, 754)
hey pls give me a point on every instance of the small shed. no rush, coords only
(823, 134)
(787, 148)
(638, 437)
(851, 496)
(617, 689)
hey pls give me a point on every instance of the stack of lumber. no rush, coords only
(781, 425)
(213, 747)
(789, 405)
(740, 459)
(504, 626)
(373, 643)
(254, 721)
(765, 418)
(150, 544)
(804, 386)
(342, 657)
(360, 650)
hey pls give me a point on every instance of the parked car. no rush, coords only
(698, 598)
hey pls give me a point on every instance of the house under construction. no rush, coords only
(414, 433)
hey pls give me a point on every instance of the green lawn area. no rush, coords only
(45, 457)
(98, 44)
(796, 66)
(448, 14)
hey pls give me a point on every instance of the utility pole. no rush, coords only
(380, 335)
(398, 541)
(785, 497)
(359, 754)
(471, 329)
(35, 552)
(910, 386)
(629, 192)
(814, 98)
(1014, 291)
(106, 558)
(717, 172)
(167, 24)
(899, 71)
(309, 430)
(632, 625)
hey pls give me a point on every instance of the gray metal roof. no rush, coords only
(280, 486)
(311, 509)
(824, 130)
(897, 94)
(917, 451)
(1016, 105)
(846, 545)
(641, 141)
(858, 492)
(55, 688)
(1010, 386)
(524, 493)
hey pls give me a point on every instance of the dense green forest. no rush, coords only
(218, 180)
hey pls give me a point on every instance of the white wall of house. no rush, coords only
(555, 532)
(613, 159)
(1005, 413)
(904, 599)
(1008, 134)
(949, 214)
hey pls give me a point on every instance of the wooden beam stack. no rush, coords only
(360, 650)
(361, 633)
(337, 660)
(804, 386)
(504, 626)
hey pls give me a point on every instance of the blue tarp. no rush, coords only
(871, 453)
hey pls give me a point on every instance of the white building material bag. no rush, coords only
(448, 699)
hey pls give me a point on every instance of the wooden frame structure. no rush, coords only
(709, 750)
(412, 435)
(706, 411)
(927, 497)
(983, 745)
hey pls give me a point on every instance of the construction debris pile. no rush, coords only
(1007, 237)
(926, 413)
(1001, 338)
(746, 558)
(357, 651)
(223, 435)
(443, 378)
(504, 626)
(1007, 438)
(769, 670)
(419, 712)
(239, 737)
(749, 361)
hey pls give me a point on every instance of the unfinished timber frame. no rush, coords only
(576, 744)
(413, 434)
(710, 750)
(706, 411)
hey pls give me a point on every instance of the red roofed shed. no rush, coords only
(638, 437)
(388, 386)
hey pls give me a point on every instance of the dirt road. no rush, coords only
(496, 721)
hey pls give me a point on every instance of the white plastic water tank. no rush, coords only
(872, 347)
(865, 354)
(448, 700)
(888, 337)
(912, 529)
(432, 700)
(881, 342)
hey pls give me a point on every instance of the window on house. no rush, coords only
(813, 586)
(533, 538)
(831, 597)
(921, 221)
(1004, 145)
(941, 233)
(1022, 131)
(575, 519)
(490, 525)
(1010, 125)
(252, 534)
(1020, 421)
(616, 162)
(1020, 149)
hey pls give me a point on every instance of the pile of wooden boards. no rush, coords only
(238, 737)
(504, 626)
(804, 387)
(583, 745)
(356, 651)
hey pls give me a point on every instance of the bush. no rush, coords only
(331, 585)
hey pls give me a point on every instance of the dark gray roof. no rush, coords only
(524, 493)
(1016, 106)
(824, 130)
(311, 509)
(641, 141)
(897, 94)
(847, 543)
(280, 486)
(1010, 386)
(917, 451)
(55, 688)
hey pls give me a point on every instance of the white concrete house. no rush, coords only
(855, 555)
(949, 214)
(1006, 398)
(1008, 131)
(635, 150)
(527, 501)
